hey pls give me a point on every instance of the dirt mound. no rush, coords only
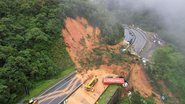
(81, 96)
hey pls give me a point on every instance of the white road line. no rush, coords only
(70, 93)
(57, 83)
(52, 100)
(64, 84)
(57, 89)
(64, 97)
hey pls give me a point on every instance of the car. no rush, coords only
(33, 101)
(144, 60)
(125, 84)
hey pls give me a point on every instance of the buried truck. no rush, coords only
(109, 81)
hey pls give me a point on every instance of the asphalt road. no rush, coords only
(150, 45)
(139, 42)
(61, 84)
(136, 39)
(58, 93)
(142, 44)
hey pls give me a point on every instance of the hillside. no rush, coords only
(82, 41)
(29, 30)
(43, 41)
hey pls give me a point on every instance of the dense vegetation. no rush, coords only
(136, 98)
(28, 29)
(168, 65)
(111, 30)
(109, 92)
(126, 13)
(31, 49)
(167, 62)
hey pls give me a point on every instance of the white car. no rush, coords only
(125, 84)
(159, 42)
(144, 60)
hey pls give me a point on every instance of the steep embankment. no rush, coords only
(84, 47)
(80, 39)
(139, 81)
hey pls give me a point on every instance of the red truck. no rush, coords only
(108, 81)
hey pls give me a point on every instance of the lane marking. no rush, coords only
(53, 93)
(57, 83)
(67, 94)
(78, 85)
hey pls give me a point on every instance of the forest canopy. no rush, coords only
(28, 31)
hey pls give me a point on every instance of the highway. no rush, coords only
(141, 43)
(58, 93)
(150, 45)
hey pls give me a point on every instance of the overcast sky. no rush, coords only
(172, 11)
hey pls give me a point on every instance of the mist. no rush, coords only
(166, 17)
(171, 11)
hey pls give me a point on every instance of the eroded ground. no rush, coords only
(92, 58)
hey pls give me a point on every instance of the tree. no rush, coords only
(28, 29)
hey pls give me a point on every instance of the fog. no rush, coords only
(169, 14)
(171, 11)
(173, 18)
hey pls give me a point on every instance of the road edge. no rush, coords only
(67, 76)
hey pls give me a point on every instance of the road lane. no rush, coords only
(142, 43)
(60, 91)
(139, 42)
(63, 95)
(61, 83)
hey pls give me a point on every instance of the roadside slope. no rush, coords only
(84, 47)
(80, 39)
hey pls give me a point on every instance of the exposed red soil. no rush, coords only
(81, 39)
(81, 96)
(138, 80)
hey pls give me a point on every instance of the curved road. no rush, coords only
(141, 43)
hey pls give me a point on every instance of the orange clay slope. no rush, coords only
(139, 81)
(80, 38)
